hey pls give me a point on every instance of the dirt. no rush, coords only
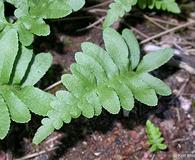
(112, 137)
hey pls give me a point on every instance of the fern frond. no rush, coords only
(19, 71)
(155, 138)
(118, 9)
(108, 79)
(30, 16)
(168, 5)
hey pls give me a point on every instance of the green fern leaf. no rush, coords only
(34, 97)
(25, 37)
(154, 137)
(105, 79)
(117, 9)
(18, 110)
(35, 25)
(76, 4)
(4, 118)
(19, 71)
(21, 7)
(133, 47)
(54, 9)
(156, 59)
(8, 54)
(38, 68)
(23, 60)
(168, 5)
(2, 18)
(30, 16)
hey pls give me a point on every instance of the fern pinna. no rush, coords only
(19, 71)
(107, 79)
(117, 10)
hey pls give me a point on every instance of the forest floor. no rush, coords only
(118, 137)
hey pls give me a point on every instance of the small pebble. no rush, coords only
(185, 103)
(117, 141)
(97, 153)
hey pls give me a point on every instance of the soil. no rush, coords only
(114, 137)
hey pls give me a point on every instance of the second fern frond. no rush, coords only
(155, 138)
(108, 79)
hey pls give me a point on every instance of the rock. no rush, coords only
(185, 103)
(97, 153)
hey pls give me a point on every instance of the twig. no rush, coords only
(167, 31)
(178, 115)
(36, 154)
(187, 42)
(153, 157)
(139, 32)
(92, 25)
(163, 21)
(53, 86)
(180, 140)
(155, 23)
(98, 10)
(182, 88)
(53, 139)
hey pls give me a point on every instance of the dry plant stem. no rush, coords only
(53, 86)
(180, 140)
(178, 115)
(163, 21)
(100, 28)
(47, 142)
(92, 25)
(153, 157)
(181, 90)
(98, 10)
(36, 154)
(168, 31)
(187, 42)
(154, 22)
(139, 32)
